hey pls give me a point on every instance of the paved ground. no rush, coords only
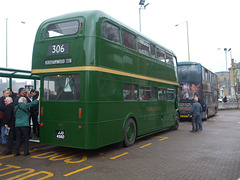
(211, 154)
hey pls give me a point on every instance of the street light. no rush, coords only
(187, 39)
(141, 3)
(226, 50)
(7, 40)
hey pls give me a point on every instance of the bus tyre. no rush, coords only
(175, 127)
(130, 132)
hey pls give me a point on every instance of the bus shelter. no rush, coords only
(16, 78)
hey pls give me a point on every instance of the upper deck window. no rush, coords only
(111, 32)
(62, 29)
(152, 50)
(143, 46)
(169, 59)
(160, 55)
(129, 40)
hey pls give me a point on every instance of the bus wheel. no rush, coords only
(130, 132)
(175, 127)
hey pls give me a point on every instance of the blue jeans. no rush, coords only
(3, 136)
(195, 123)
(200, 121)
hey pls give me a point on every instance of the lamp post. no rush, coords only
(141, 3)
(233, 93)
(226, 50)
(7, 40)
(187, 39)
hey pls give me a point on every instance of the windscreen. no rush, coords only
(189, 78)
(62, 87)
(62, 29)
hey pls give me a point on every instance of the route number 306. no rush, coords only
(58, 49)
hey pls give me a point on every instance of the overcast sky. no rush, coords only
(212, 24)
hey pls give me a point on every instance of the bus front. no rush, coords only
(190, 80)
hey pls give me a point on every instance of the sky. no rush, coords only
(212, 24)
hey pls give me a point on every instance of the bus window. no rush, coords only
(160, 55)
(130, 92)
(144, 93)
(152, 50)
(111, 32)
(129, 40)
(170, 94)
(161, 94)
(62, 29)
(169, 59)
(154, 93)
(61, 87)
(143, 47)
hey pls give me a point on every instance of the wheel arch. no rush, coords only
(128, 116)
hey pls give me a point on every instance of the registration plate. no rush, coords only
(60, 134)
(184, 116)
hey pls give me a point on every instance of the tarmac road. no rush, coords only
(213, 153)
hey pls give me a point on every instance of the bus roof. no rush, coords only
(95, 16)
(187, 63)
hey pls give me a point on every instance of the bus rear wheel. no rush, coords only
(130, 132)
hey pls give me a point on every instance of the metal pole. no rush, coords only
(188, 42)
(140, 18)
(232, 75)
(6, 42)
(225, 49)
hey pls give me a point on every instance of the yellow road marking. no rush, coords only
(145, 145)
(120, 155)
(163, 138)
(79, 170)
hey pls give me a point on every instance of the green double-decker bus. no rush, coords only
(102, 82)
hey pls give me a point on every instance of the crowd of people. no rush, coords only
(16, 113)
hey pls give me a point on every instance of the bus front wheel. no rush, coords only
(130, 132)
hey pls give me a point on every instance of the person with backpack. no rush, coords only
(21, 112)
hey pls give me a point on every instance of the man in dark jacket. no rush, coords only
(21, 93)
(2, 108)
(9, 122)
(195, 112)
